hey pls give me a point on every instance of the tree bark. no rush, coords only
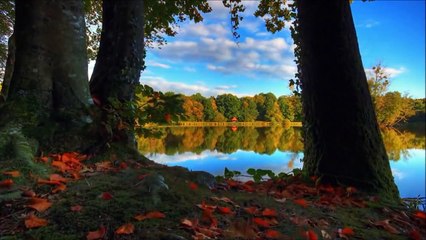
(120, 58)
(10, 64)
(49, 85)
(343, 143)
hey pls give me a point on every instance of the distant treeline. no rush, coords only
(224, 108)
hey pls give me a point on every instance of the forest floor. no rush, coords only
(82, 199)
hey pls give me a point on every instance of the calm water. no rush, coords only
(277, 149)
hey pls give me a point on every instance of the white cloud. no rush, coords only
(391, 72)
(397, 173)
(157, 64)
(188, 156)
(189, 69)
(368, 24)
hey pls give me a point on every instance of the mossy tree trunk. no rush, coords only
(49, 89)
(120, 58)
(343, 143)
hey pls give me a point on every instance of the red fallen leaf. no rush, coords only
(155, 214)
(248, 188)
(7, 183)
(209, 232)
(96, 100)
(415, 235)
(28, 193)
(272, 234)
(59, 188)
(58, 178)
(60, 166)
(310, 235)
(251, 210)
(48, 182)
(224, 210)
(76, 208)
(98, 234)
(192, 186)
(44, 159)
(267, 212)
(302, 202)
(123, 165)
(208, 216)
(385, 224)
(39, 204)
(12, 173)
(347, 231)
(232, 183)
(32, 221)
(127, 228)
(106, 196)
(141, 177)
(420, 214)
(261, 222)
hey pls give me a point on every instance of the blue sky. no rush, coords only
(205, 58)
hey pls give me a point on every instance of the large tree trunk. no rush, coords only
(120, 58)
(343, 143)
(10, 64)
(49, 85)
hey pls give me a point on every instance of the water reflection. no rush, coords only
(278, 149)
(268, 140)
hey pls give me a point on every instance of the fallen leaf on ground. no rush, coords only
(415, 235)
(267, 212)
(6, 183)
(32, 221)
(59, 188)
(272, 234)
(155, 214)
(223, 199)
(98, 234)
(192, 186)
(57, 177)
(48, 182)
(262, 222)
(76, 208)
(347, 231)
(420, 214)
(39, 204)
(251, 210)
(127, 228)
(60, 166)
(301, 202)
(12, 173)
(224, 210)
(310, 235)
(28, 193)
(106, 196)
(187, 223)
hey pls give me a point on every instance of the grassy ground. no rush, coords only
(173, 203)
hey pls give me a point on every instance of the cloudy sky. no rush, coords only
(205, 58)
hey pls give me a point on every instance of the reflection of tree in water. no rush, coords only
(259, 140)
(397, 143)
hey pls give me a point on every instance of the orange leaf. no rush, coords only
(106, 196)
(7, 183)
(311, 235)
(28, 193)
(39, 204)
(60, 166)
(44, 159)
(98, 234)
(224, 210)
(192, 186)
(420, 214)
(272, 234)
(149, 215)
(251, 210)
(12, 173)
(32, 221)
(58, 178)
(59, 188)
(48, 182)
(302, 202)
(223, 199)
(205, 206)
(267, 212)
(261, 222)
(76, 208)
(127, 228)
(347, 231)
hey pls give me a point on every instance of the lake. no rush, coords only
(212, 149)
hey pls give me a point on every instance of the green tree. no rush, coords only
(229, 105)
(248, 112)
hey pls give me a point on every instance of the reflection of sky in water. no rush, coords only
(409, 173)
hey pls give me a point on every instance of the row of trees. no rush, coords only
(224, 107)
